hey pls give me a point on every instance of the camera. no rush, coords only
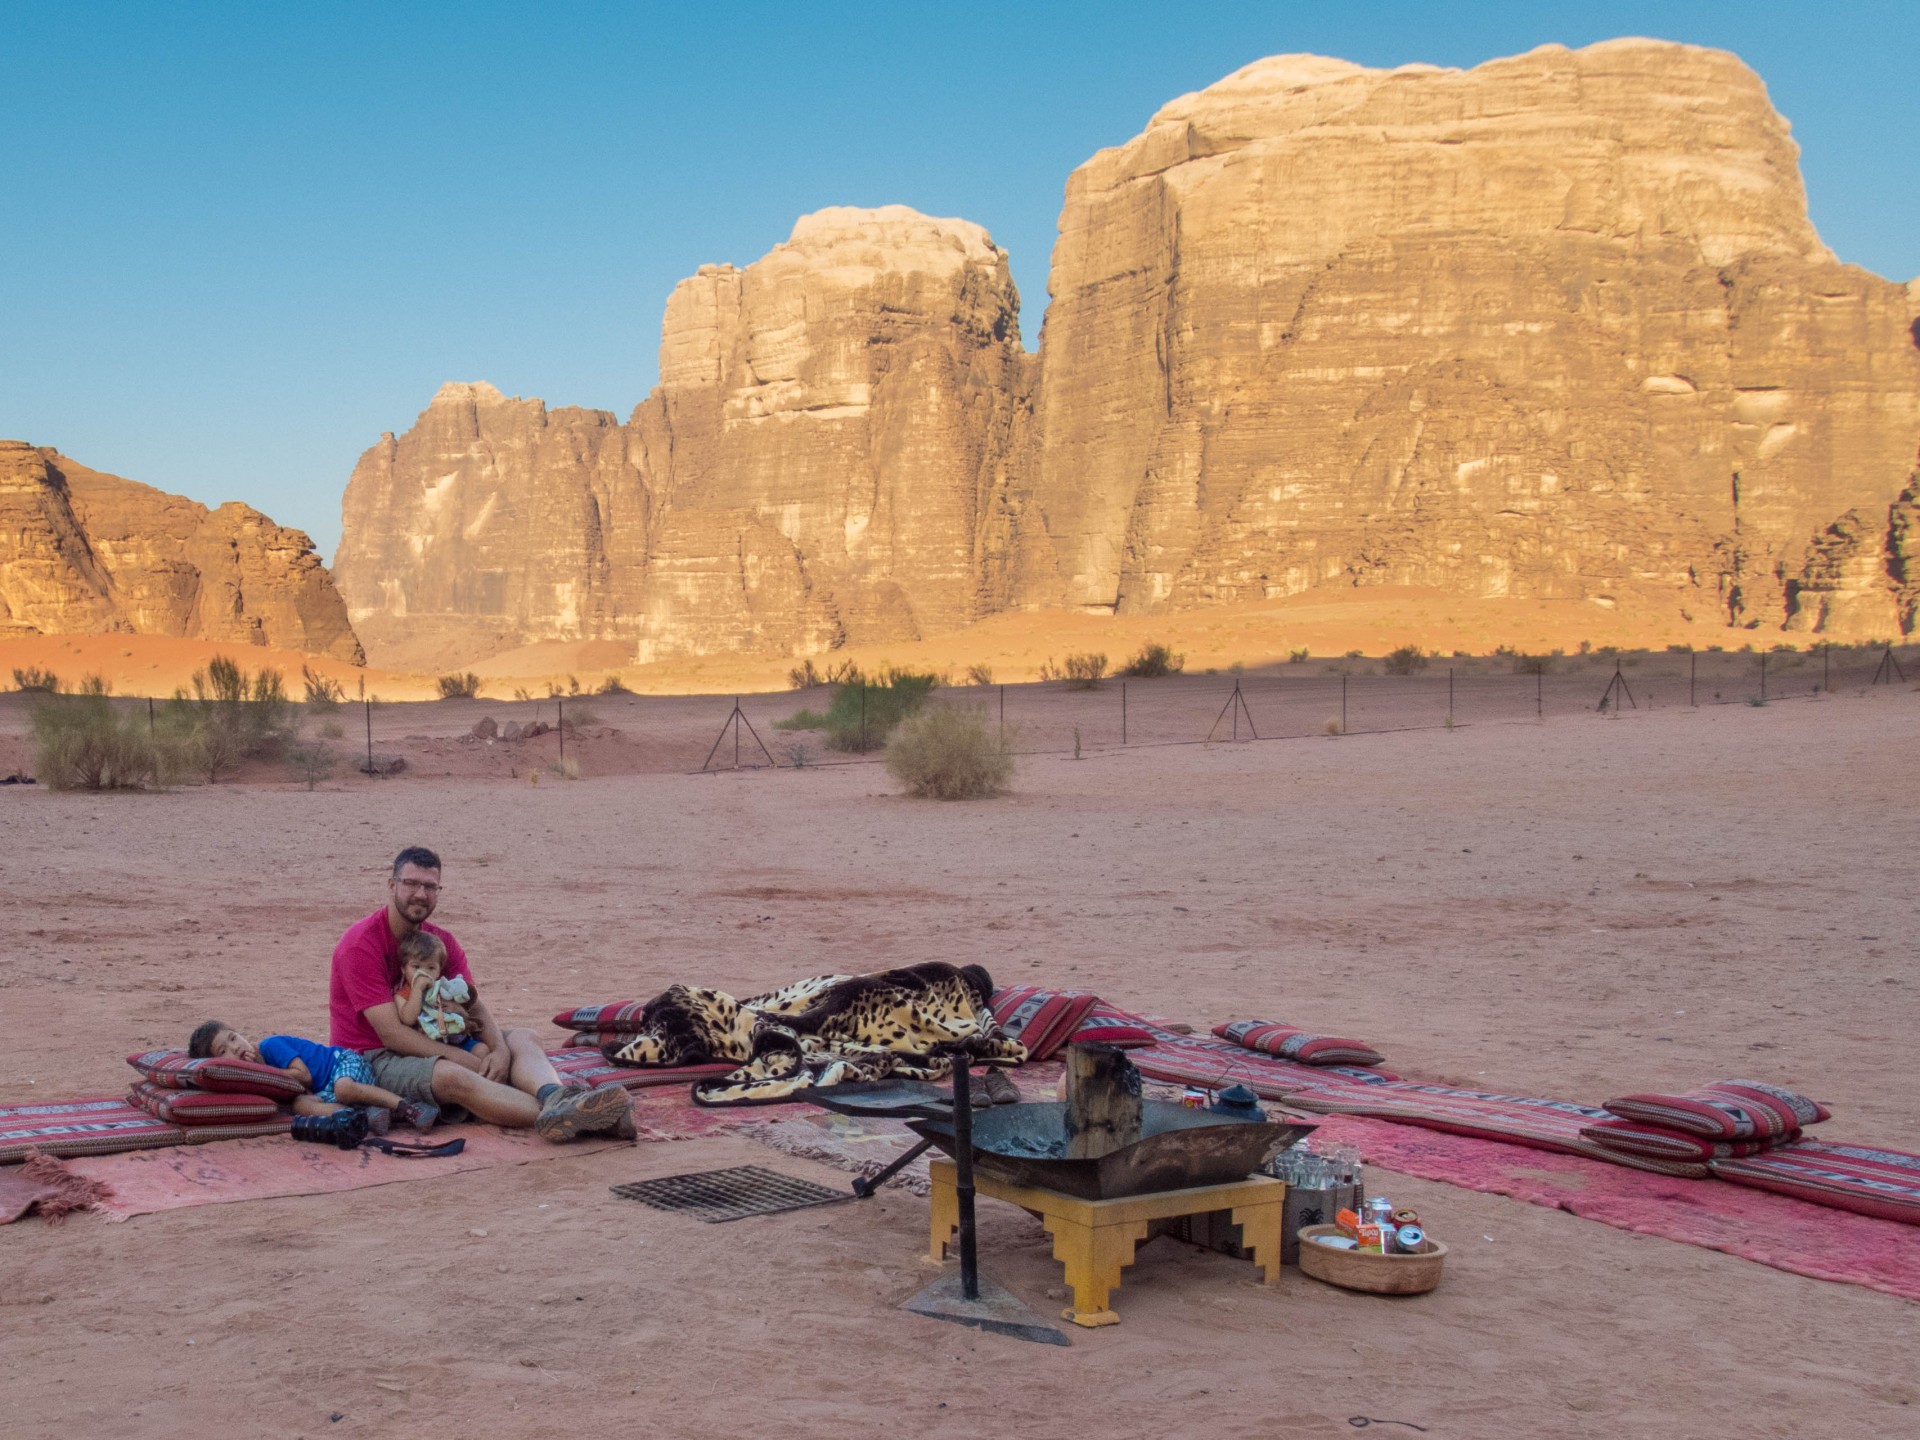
(343, 1128)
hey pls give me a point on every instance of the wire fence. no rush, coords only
(1351, 697)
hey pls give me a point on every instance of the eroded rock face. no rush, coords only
(492, 523)
(840, 415)
(83, 552)
(1555, 327)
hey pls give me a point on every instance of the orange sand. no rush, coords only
(1573, 908)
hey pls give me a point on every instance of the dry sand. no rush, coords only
(1572, 908)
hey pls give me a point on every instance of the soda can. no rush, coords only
(1408, 1239)
(1195, 1098)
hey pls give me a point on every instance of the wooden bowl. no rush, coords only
(1375, 1274)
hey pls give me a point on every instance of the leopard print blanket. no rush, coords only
(828, 1030)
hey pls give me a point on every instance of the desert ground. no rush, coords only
(1573, 907)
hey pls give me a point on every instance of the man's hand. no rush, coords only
(495, 1065)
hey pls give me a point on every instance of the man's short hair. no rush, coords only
(200, 1043)
(417, 855)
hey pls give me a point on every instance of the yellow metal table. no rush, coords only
(1095, 1239)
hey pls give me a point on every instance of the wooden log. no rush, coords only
(1103, 1101)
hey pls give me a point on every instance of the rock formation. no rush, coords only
(85, 553)
(1555, 327)
(837, 419)
(492, 523)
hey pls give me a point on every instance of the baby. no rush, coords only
(335, 1077)
(430, 1000)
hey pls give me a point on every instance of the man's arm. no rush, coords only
(404, 1040)
(498, 1064)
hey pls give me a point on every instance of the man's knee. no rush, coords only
(520, 1036)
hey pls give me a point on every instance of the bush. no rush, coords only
(804, 676)
(1081, 672)
(322, 693)
(1525, 664)
(581, 717)
(463, 687)
(1407, 660)
(1153, 661)
(311, 762)
(802, 720)
(1297, 657)
(613, 685)
(81, 743)
(36, 679)
(230, 717)
(865, 711)
(979, 675)
(950, 752)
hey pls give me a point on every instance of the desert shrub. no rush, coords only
(804, 676)
(331, 730)
(1525, 664)
(802, 720)
(580, 717)
(310, 761)
(231, 717)
(865, 710)
(322, 693)
(799, 754)
(1153, 661)
(613, 685)
(979, 675)
(567, 769)
(1084, 672)
(520, 692)
(1679, 649)
(1332, 726)
(950, 752)
(461, 687)
(1298, 657)
(81, 743)
(35, 679)
(1406, 660)
(1355, 655)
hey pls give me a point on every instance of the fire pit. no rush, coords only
(1178, 1149)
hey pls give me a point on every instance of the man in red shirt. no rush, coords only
(512, 1084)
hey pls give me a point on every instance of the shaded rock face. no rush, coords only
(493, 523)
(839, 417)
(1554, 327)
(83, 552)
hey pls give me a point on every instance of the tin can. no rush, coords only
(1408, 1240)
(1195, 1097)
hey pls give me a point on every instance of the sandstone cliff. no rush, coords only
(83, 553)
(1554, 327)
(1557, 327)
(492, 523)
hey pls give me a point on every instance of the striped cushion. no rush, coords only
(80, 1127)
(1724, 1110)
(1860, 1178)
(199, 1107)
(1290, 1042)
(1106, 1025)
(1041, 1020)
(617, 1017)
(172, 1070)
(1630, 1138)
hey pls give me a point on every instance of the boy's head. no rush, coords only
(423, 951)
(216, 1038)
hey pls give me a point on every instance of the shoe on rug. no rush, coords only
(999, 1087)
(570, 1113)
(377, 1117)
(418, 1114)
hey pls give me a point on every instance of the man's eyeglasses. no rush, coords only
(425, 887)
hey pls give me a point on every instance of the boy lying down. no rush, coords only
(335, 1076)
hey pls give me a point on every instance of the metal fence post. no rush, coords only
(560, 726)
(1003, 710)
(1449, 695)
(1763, 675)
(1693, 670)
(1343, 704)
(1123, 712)
(1539, 694)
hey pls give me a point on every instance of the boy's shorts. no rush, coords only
(347, 1065)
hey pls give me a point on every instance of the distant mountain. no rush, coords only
(1553, 328)
(87, 553)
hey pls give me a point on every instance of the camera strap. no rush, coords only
(407, 1149)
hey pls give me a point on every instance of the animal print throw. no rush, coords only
(828, 1030)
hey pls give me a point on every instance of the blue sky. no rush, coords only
(237, 242)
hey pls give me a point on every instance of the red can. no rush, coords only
(1195, 1098)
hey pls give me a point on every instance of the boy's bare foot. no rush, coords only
(418, 1114)
(574, 1110)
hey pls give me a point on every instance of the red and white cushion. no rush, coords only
(1290, 1042)
(1724, 1110)
(1862, 1178)
(172, 1070)
(1042, 1020)
(1629, 1137)
(200, 1107)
